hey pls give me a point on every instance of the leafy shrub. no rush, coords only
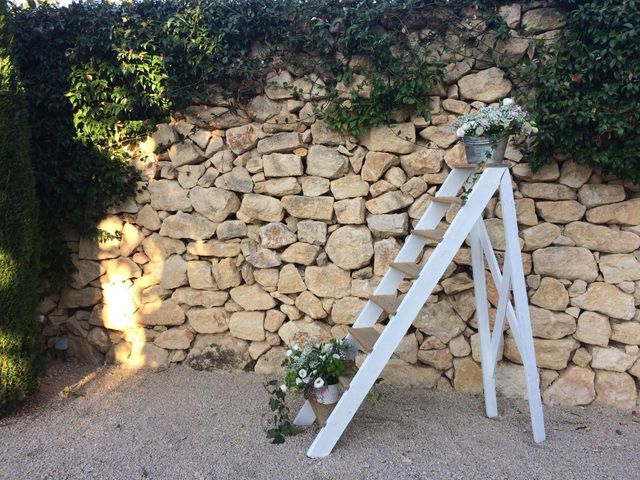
(587, 89)
(20, 361)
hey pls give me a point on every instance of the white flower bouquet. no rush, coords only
(315, 366)
(495, 122)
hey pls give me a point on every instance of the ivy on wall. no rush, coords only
(98, 76)
(586, 90)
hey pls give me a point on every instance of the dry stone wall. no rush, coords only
(260, 227)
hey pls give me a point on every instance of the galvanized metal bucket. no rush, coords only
(480, 150)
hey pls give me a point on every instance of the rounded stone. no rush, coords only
(350, 247)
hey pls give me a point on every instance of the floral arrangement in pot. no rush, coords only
(314, 370)
(485, 132)
(311, 370)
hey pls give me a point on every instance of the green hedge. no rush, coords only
(20, 349)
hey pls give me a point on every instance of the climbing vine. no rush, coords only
(99, 76)
(586, 88)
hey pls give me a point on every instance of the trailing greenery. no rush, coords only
(20, 359)
(586, 94)
(98, 76)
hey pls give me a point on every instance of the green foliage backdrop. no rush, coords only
(99, 75)
(20, 360)
(587, 91)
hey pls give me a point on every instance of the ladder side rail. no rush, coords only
(487, 359)
(411, 305)
(521, 301)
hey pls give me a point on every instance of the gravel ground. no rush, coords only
(184, 424)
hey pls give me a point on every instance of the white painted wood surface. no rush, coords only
(467, 220)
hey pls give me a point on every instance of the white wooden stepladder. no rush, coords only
(468, 222)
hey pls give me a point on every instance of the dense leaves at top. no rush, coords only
(99, 75)
(587, 92)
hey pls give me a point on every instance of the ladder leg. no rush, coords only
(348, 404)
(522, 308)
(482, 313)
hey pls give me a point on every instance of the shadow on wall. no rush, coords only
(77, 175)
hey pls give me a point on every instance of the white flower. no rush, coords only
(460, 132)
(283, 387)
(289, 352)
(298, 381)
(507, 101)
(319, 383)
(296, 346)
(335, 355)
(302, 373)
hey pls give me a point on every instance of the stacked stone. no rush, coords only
(260, 227)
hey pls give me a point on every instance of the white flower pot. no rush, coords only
(327, 395)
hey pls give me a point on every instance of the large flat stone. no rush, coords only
(485, 86)
(315, 208)
(618, 268)
(168, 195)
(328, 281)
(213, 203)
(350, 247)
(575, 386)
(252, 297)
(602, 238)
(186, 225)
(625, 213)
(552, 354)
(326, 162)
(395, 138)
(606, 299)
(262, 208)
(571, 263)
(440, 320)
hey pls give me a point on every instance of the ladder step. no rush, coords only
(321, 411)
(345, 381)
(429, 234)
(470, 166)
(389, 303)
(365, 336)
(449, 200)
(411, 270)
